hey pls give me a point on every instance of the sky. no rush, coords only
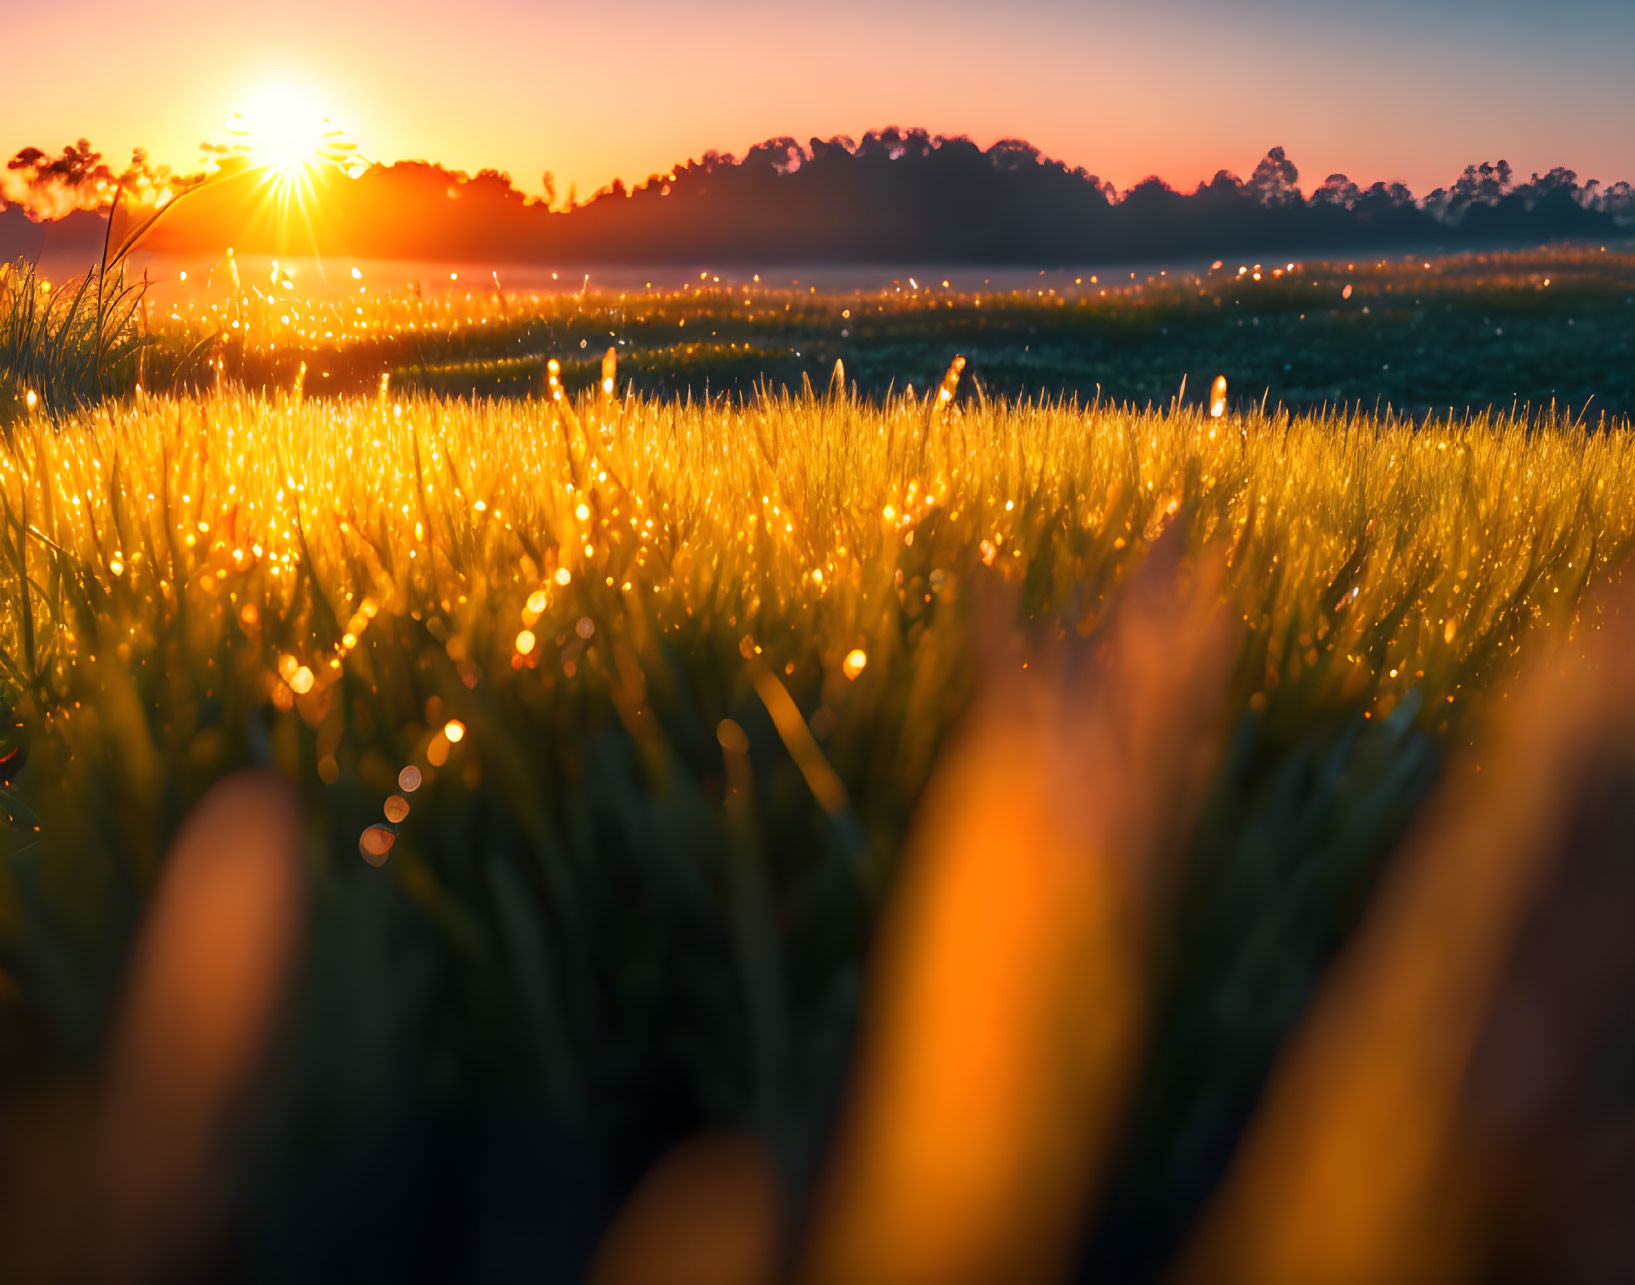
(1391, 89)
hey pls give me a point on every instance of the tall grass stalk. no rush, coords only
(64, 346)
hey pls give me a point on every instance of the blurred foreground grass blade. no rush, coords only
(1361, 1164)
(206, 987)
(1009, 1009)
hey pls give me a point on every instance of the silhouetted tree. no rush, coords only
(897, 195)
(1337, 190)
(1275, 182)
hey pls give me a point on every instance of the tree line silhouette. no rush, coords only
(895, 195)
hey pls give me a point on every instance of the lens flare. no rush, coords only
(285, 131)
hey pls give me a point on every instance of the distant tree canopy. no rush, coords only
(895, 195)
(78, 178)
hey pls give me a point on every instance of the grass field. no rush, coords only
(1417, 334)
(1421, 335)
(609, 716)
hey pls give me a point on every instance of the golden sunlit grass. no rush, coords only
(1368, 558)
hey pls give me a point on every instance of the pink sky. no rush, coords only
(1393, 90)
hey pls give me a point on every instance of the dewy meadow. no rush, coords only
(832, 772)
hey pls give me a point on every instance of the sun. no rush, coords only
(285, 131)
